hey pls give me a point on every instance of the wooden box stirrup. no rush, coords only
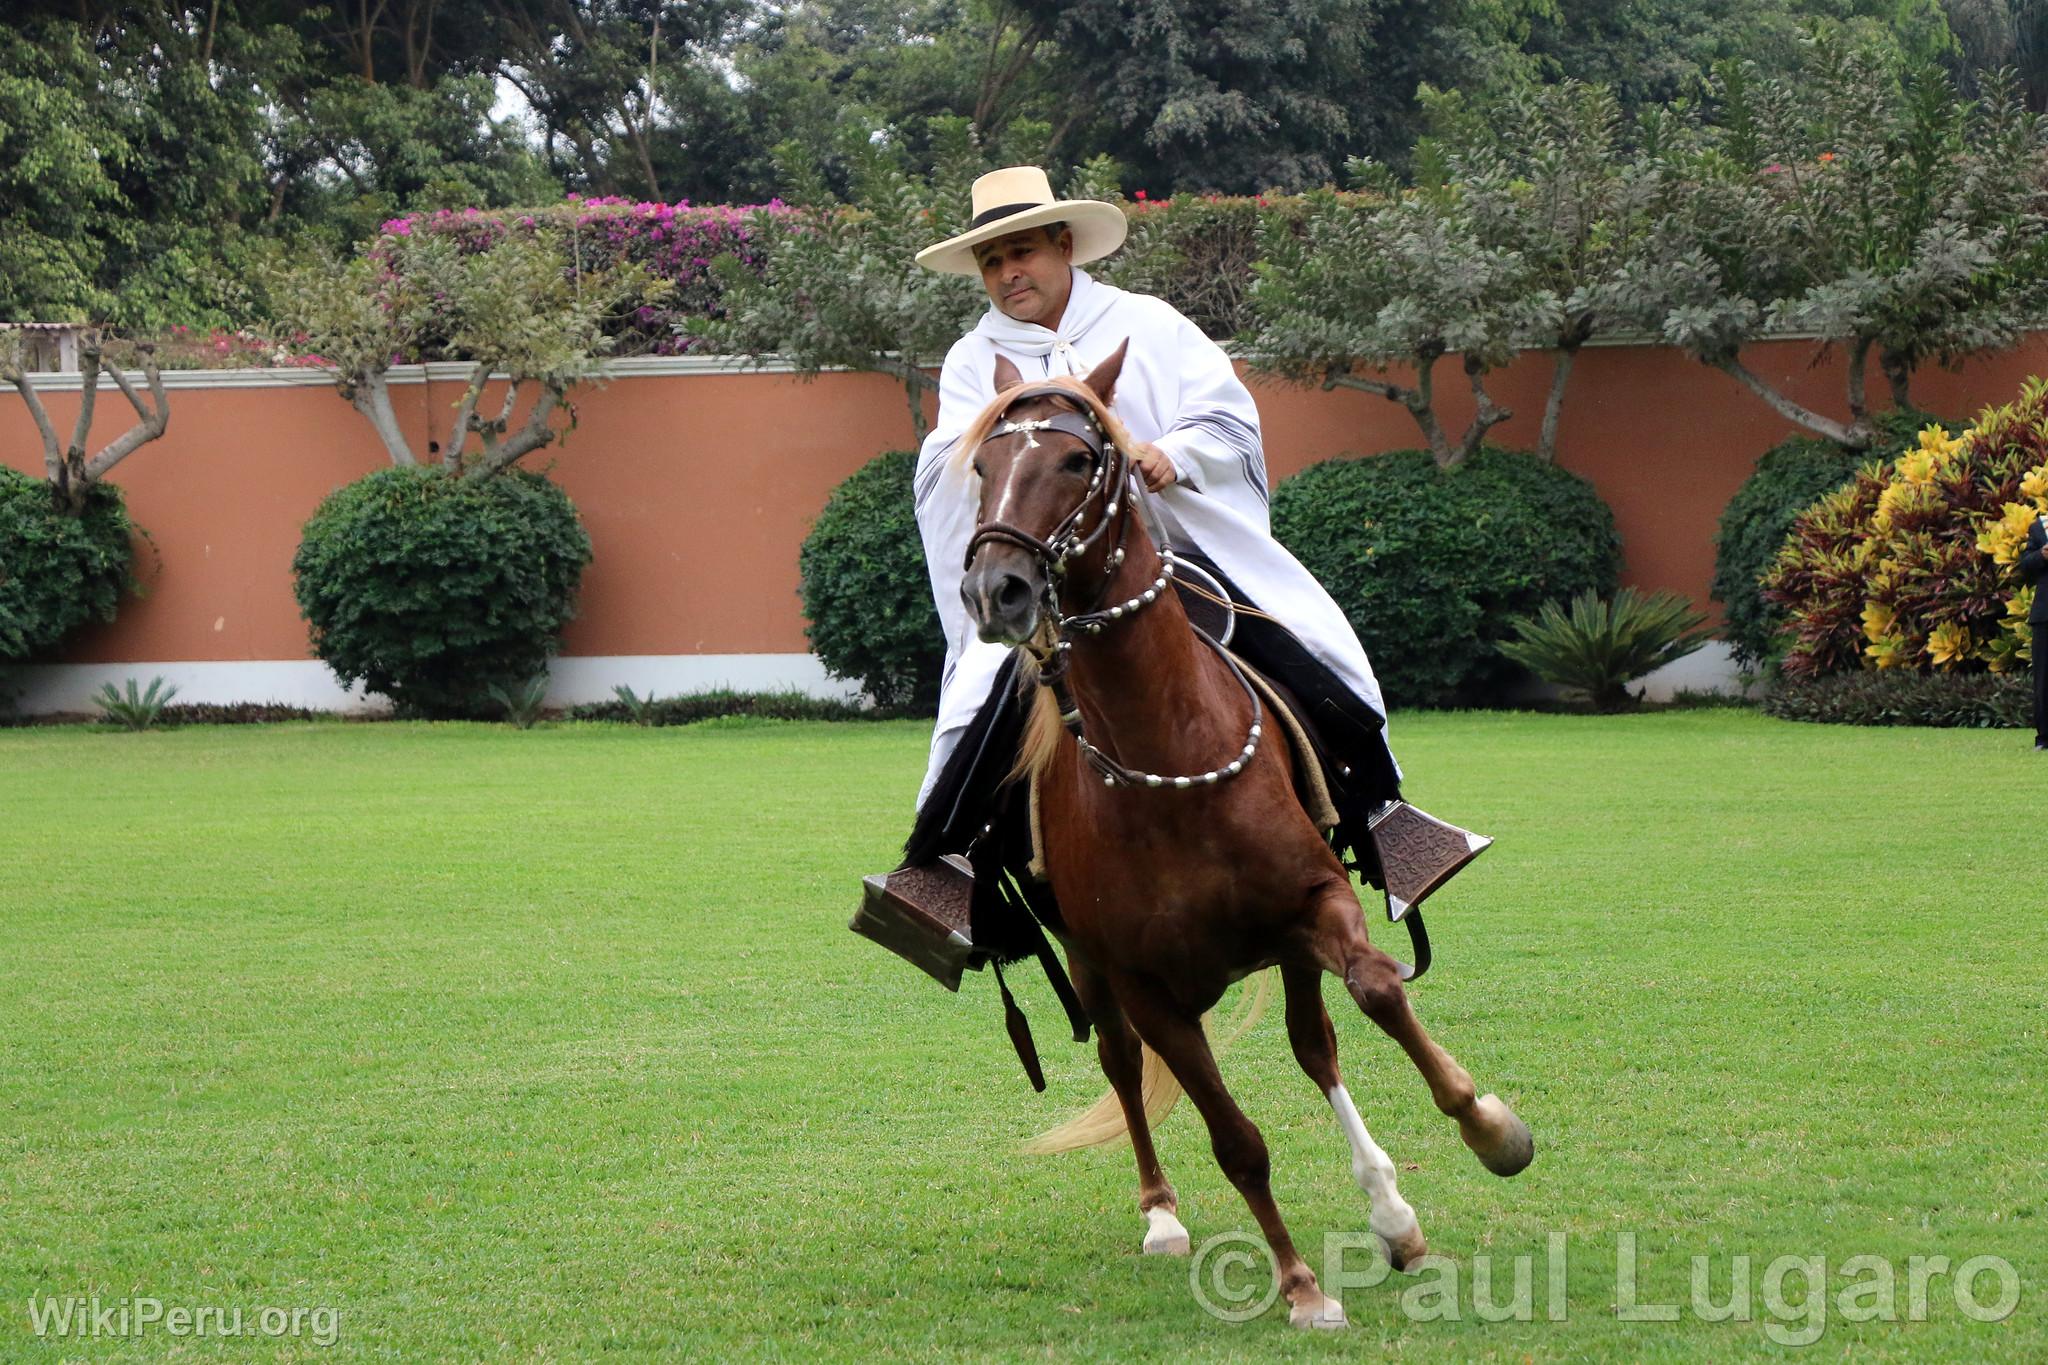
(1419, 853)
(921, 915)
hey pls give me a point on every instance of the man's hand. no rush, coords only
(1154, 464)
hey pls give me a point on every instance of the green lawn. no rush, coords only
(551, 1044)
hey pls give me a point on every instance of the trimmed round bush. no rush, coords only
(866, 591)
(1432, 565)
(1789, 477)
(57, 571)
(431, 588)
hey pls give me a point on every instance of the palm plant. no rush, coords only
(522, 703)
(135, 710)
(640, 708)
(1599, 648)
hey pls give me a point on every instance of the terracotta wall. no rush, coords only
(698, 488)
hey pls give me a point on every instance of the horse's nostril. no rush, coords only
(1013, 594)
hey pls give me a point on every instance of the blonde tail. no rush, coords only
(1103, 1122)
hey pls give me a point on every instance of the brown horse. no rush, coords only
(1174, 840)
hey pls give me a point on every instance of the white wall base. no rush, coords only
(47, 688)
(571, 681)
(1711, 668)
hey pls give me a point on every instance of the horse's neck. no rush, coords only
(1145, 684)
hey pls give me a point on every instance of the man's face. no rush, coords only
(1028, 274)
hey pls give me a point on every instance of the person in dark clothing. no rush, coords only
(2033, 564)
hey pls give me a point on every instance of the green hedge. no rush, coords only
(1431, 565)
(865, 588)
(57, 571)
(1788, 478)
(1896, 696)
(690, 708)
(431, 588)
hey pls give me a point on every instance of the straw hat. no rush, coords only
(1020, 197)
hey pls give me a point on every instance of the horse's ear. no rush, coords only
(1101, 380)
(1006, 373)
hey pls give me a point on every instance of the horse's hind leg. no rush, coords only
(1488, 1126)
(1240, 1150)
(1123, 1062)
(1315, 1047)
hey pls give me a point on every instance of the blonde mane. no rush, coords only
(978, 430)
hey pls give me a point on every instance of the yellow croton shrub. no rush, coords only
(1911, 564)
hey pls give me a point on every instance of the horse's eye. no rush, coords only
(977, 470)
(1080, 462)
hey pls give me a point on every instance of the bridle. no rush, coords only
(1111, 489)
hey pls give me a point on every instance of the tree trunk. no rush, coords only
(914, 391)
(465, 413)
(1859, 359)
(1553, 405)
(1486, 414)
(1856, 435)
(155, 420)
(372, 398)
(1899, 373)
(915, 382)
(1416, 400)
(53, 452)
(499, 450)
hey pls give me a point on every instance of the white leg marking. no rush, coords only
(1391, 1217)
(1164, 1235)
(1328, 1313)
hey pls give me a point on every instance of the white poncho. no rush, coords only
(1177, 390)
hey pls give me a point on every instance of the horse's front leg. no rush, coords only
(1315, 1047)
(1177, 1037)
(1489, 1127)
(1122, 1056)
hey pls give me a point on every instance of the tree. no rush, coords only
(515, 309)
(348, 154)
(1223, 95)
(55, 149)
(70, 472)
(1879, 214)
(618, 82)
(1395, 276)
(1543, 172)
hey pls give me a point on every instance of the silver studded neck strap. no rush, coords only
(1115, 774)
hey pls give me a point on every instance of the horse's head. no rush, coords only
(1051, 483)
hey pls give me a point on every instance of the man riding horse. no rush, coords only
(1151, 800)
(1197, 447)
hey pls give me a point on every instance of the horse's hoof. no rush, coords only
(1499, 1139)
(1405, 1250)
(1322, 1312)
(1167, 1244)
(1165, 1236)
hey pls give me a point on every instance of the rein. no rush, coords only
(1109, 485)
